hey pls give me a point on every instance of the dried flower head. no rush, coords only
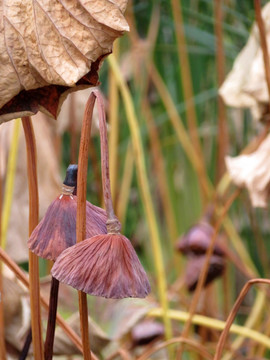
(194, 268)
(57, 230)
(104, 265)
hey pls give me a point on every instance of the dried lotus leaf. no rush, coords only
(49, 48)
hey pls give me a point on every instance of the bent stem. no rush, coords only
(33, 221)
(113, 223)
(191, 343)
(233, 313)
(81, 214)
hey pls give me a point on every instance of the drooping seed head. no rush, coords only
(57, 230)
(104, 265)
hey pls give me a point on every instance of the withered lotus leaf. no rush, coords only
(57, 230)
(49, 48)
(105, 265)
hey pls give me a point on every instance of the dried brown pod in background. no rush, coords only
(146, 331)
(194, 269)
(197, 240)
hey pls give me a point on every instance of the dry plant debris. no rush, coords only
(50, 48)
(253, 172)
(245, 86)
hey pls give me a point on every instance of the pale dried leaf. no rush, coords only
(44, 43)
(253, 172)
(48, 178)
(245, 86)
(72, 113)
(98, 339)
(16, 312)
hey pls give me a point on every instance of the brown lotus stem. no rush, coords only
(81, 213)
(113, 224)
(48, 347)
(26, 346)
(2, 325)
(33, 221)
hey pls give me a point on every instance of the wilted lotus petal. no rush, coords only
(197, 240)
(57, 230)
(253, 172)
(245, 86)
(194, 268)
(104, 265)
(146, 331)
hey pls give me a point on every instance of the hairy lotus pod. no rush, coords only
(197, 240)
(104, 265)
(146, 331)
(57, 230)
(194, 268)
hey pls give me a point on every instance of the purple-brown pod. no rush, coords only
(104, 265)
(194, 268)
(57, 230)
(146, 331)
(197, 240)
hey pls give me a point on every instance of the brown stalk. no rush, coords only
(203, 274)
(160, 170)
(94, 162)
(186, 78)
(220, 58)
(2, 325)
(49, 341)
(72, 131)
(26, 346)
(23, 278)
(81, 213)
(36, 323)
(266, 61)
(233, 313)
(105, 160)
